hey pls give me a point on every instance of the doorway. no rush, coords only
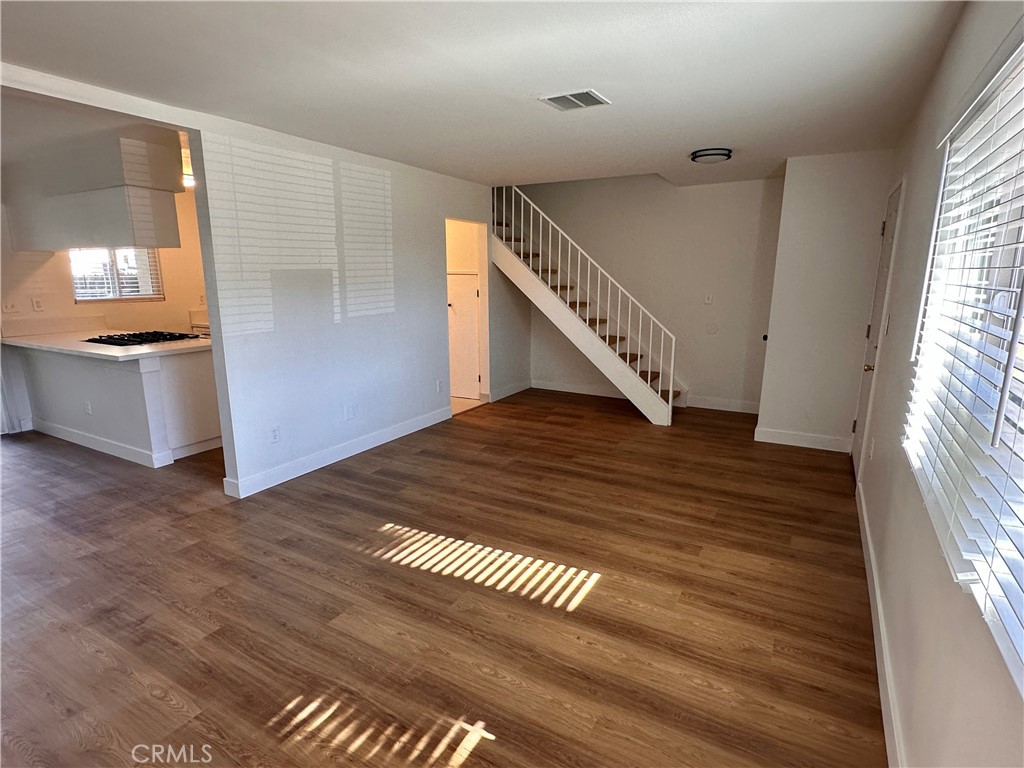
(106, 339)
(876, 331)
(467, 262)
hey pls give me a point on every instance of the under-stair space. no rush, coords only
(610, 327)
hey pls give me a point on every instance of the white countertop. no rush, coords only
(75, 344)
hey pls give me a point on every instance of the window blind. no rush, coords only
(115, 273)
(965, 425)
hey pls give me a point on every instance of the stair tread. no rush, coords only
(610, 339)
(595, 321)
(632, 357)
(550, 270)
(576, 304)
(649, 375)
(664, 394)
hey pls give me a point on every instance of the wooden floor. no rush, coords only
(302, 626)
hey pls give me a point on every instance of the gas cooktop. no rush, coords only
(141, 337)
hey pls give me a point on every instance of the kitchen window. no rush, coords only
(965, 427)
(106, 274)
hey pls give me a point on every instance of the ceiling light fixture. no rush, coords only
(711, 155)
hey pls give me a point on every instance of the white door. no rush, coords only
(876, 330)
(464, 335)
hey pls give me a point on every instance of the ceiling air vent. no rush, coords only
(579, 100)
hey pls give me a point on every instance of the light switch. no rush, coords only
(709, 298)
(10, 306)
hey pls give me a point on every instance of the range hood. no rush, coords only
(108, 190)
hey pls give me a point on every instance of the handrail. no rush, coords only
(612, 290)
(590, 259)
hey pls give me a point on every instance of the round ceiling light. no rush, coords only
(711, 155)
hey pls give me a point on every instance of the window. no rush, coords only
(965, 428)
(116, 273)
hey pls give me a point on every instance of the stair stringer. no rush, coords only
(604, 358)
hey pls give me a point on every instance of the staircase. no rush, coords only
(615, 332)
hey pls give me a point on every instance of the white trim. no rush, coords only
(579, 389)
(284, 472)
(203, 445)
(804, 439)
(114, 448)
(500, 393)
(723, 404)
(894, 743)
(883, 331)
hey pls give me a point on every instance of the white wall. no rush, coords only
(670, 246)
(509, 335)
(953, 701)
(301, 351)
(47, 276)
(829, 237)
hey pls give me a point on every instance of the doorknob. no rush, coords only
(867, 368)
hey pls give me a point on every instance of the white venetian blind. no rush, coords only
(965, 428)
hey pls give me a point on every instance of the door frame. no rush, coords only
(865, 444)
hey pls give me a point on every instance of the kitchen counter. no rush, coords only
(75, 344)
(148, 403)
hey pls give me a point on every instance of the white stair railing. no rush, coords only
(587, 289)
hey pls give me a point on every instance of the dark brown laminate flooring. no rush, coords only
(729, 625)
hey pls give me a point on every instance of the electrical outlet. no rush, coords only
(88, 408)
(202, 299)
(350, 412)
(10, 306)
(709, 298)
(275, 434)
(37, 304)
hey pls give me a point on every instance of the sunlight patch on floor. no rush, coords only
(549, 583)
(325, 722)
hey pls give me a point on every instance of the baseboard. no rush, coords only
(500, 392)
(804, 439)
(103, 444)
(722, 404)
(684, 401)
(276, 475)
(202, 445)
(894, 745)
(579, 389)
